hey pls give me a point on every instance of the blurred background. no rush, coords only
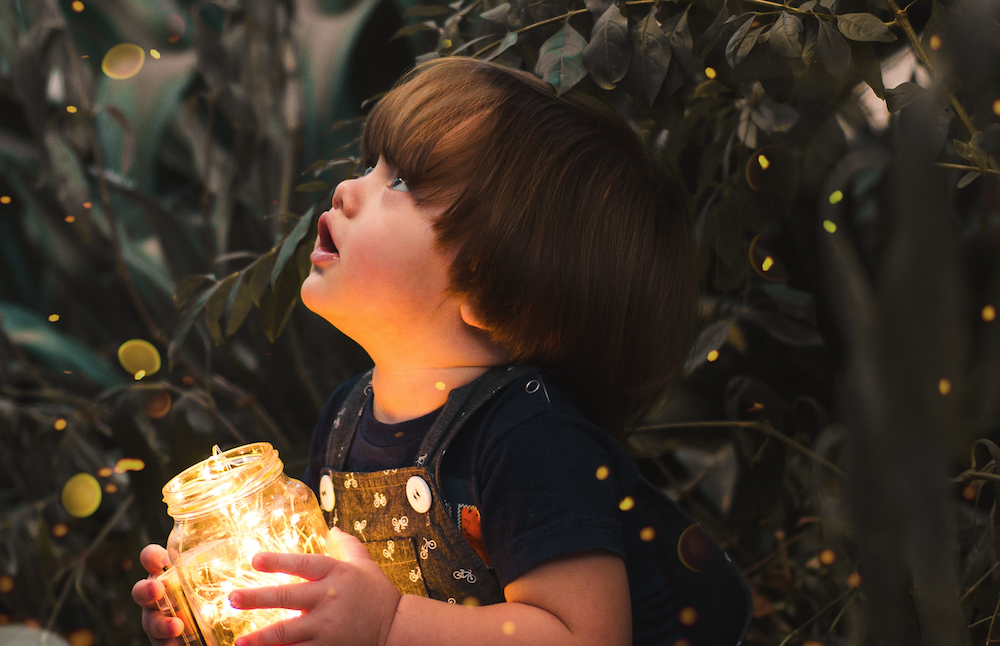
(162, 164)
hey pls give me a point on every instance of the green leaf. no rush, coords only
(681, 49)
(276, 304)
(216, 304)
(46, 344)
(291, 242)
(834, 52)
(68, 179)
(560, 59)
(865, 27)
(240, 303)
(711, 338)
(737, 40)
(426, 11)
(784, 38)
(128, 137)
(186, 318)
(310, 187)
(497, 14)
(608, 53)
(508, 41)
(650, 58)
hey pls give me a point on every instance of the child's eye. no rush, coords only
(399, 185)
(368, 171)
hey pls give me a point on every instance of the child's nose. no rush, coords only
(345, 197)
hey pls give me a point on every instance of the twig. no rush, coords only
(81, 560)
(977, 583)
(989, 633)
(970, 475)
(988, 171)
(781, 544)
(797, 631)
(766, 429)
(840, 614)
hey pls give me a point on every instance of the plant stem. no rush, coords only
(988, 171)
(979, 582)
(797, 631)
(766, 429)
(971, 475)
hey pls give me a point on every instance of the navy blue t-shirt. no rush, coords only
(540, 479)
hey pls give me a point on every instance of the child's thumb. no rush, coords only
(343, 546)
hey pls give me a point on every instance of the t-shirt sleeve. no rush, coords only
(541, 495)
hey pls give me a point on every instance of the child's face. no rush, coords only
(377, 275)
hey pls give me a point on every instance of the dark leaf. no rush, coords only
(771, 116)
(259, 275)
(748, 44)
(310, 187)
(498, 13)
(790, 301)
(240, 303)
(869, 67)
(188, 286)
(784, 38)
(834, 52)
(508, 41)
(809, 47)
(289, 244)
(968, 178)
(276, 304)
(710, 35)
(650, 58)
(609, 50)
(681, 46)
(737, 40)
(185, 319)
(711, 338)
(426, 11)
(128, 137)
(216, 304)
(409, 30)
(68, 179)
(598, 7)
(902, 95)
(807, 6)
(865, 27)
(560, 59)
(785, 329)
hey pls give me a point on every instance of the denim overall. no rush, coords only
(400, 514)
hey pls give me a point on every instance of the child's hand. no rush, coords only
(347, 601)
(160, 628)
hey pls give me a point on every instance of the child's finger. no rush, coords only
(295, 596)
(290, 631)
(311, 567)
(159, 626)
(154, 558)
(145, 592)
(346, 547)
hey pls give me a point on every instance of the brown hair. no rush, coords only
(572, 246)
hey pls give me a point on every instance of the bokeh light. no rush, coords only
(763, 161)
(712, 355)
(81, 495)
(628, 502)
(710, 72)
(440, 385)
(829, 226)
(854, 580)
(104, 472)
(471, 602)
(129, 464)
(935, 42)
(647, 534)
(77, 6)
(688, 616)
(754, 407)
(127, 564)
(71, 109)
(158, 405)
(989, 313)
(6, 583)
(5, 199)
(123, 61)
(508, 628)
(694, 548)
(603, 472)
(60, 529)
(836, 196)
(969, 492)
(996, 107)
(140, 374)
(827, 557)
(59, 424)
(155, 54)
(81, 637)
(175, 25)
(944, 386)
(110, 488)
(765, 262)
(70, 218)
(53, 318)
(87, 205)
(139, 354)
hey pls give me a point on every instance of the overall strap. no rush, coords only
(342, 433)
(462, 403)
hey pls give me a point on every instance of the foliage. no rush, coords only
(847, 358)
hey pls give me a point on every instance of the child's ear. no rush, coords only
(469, 317)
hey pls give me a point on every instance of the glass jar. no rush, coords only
(226, 509)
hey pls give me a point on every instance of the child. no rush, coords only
(497, 227)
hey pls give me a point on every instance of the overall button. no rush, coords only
(418, 492)
(326, 497)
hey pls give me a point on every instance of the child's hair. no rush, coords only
(572, 246)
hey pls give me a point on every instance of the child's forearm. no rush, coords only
(421, 621)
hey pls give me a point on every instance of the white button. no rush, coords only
(326, 497)
(419, 494)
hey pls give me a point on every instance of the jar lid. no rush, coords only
(221, 479)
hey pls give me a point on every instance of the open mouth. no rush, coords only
(325, 237)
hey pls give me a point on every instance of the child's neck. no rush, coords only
(407, 393)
